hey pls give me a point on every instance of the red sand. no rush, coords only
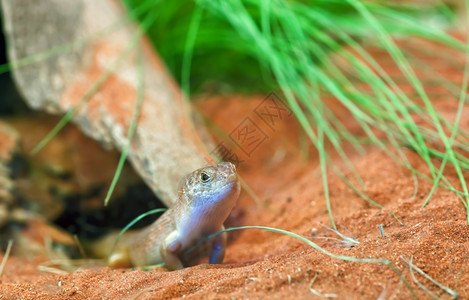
(267, 265)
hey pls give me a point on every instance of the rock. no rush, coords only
(166, 144)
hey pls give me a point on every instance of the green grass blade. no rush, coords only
(132, 223)
(188, 50)
(132, 126)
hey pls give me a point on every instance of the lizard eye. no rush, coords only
(204, 177)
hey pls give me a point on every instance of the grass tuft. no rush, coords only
(296, 48)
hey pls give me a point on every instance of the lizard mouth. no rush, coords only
(229, 171)
(232, 178)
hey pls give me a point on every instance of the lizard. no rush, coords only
(205, 199)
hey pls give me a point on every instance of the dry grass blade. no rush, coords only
(64, 266)
(454, 294)
(318, 293)
(5, 257)
(51, 270)
(142, 293)
(79, 245)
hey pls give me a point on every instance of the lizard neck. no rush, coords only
(202, 216)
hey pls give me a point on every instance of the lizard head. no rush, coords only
(211, 189)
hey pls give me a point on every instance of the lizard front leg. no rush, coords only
(218, 248)
(119, 259)
(169, 250)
